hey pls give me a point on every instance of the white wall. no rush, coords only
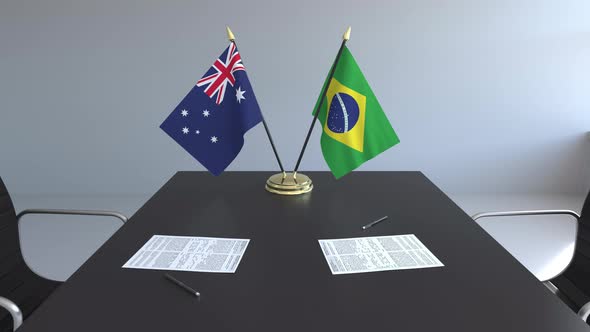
(486, 96)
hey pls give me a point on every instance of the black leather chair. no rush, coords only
(21, 290)
(572, 284)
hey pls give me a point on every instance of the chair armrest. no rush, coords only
(525, 213)
(99, 213)
(584, 311)
(13, 309)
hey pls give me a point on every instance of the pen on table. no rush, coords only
(371, 224)
(182, 285)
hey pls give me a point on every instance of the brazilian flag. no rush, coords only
(355, 128)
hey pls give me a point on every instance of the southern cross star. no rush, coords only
(213, 139)
(197, 131)
(240, 94)
(185, 130)
(184, 112)
(206, 113)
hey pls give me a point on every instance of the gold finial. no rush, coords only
(230, 35)
(346, 35)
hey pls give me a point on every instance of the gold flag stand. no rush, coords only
(295, 183)
(289, 184)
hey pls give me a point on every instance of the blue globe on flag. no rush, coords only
(343, 113)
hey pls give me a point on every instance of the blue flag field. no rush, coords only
(210, 122)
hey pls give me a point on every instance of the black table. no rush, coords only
(283, 282)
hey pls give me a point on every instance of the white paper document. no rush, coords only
(187, 253)
(377, 253)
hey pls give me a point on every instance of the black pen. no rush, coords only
(373, 223)
(182, 285)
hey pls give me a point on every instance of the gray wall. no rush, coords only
(486, 96)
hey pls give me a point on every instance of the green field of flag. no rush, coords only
(354, 127)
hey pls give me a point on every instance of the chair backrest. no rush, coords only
(585, 214)
(574, 283)
(17, 282)
(10, 254)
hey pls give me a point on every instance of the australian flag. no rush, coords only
(210, 122)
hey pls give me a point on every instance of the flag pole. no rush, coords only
(232, 39)
(345, 38)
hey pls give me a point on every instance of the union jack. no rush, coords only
(224, 73)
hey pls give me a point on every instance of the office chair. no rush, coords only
(572, 284)
(21, 290)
